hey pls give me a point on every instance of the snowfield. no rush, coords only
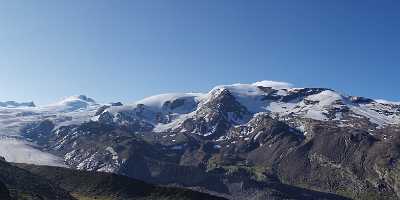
(168, 112)
(20, 151)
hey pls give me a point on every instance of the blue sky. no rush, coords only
(125, 50)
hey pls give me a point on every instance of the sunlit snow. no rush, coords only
(19, 151)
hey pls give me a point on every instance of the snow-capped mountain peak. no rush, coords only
(264, 121)
(75, 98)
(72, 103)
(218, 115)
(170, 111)
(14, 104)
(175, 102)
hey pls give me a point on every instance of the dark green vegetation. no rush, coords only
(111, 186)
(4, 193)
(97, 185)
(23, 185)
(28, 182)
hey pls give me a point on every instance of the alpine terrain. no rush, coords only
(265, 140)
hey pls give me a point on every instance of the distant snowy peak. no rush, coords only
(178, 102)
(254, 88)
(77, 98)
(72, 103)
(13, 104)
(235, 103)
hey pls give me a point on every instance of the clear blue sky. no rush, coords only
(125, 50)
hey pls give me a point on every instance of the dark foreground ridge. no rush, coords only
(28, 182)
(97, 185)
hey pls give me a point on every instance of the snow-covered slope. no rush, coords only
(270, 126)
(382, 101)
(174, 103)
(168, 112)
(20, 151)
(72, 103)
(13, 120)
(223, 107)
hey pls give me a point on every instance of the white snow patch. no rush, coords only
(387, 102)
(325, 98)
(19, 151)
(377, 118)
(113, 153)
(71, 103)
(157, 102)
(257, 135)
(323, 101)
(273, 84)
(249, 95)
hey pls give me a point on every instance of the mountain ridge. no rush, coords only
(259, 137)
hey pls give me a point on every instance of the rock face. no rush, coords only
(265, 140)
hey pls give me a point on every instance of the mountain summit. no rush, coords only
(265, 140)
(73, 103)
(14, 104)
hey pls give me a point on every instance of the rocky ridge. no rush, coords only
(242, 141)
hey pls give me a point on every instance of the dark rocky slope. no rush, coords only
(24, 185)
(97, 185)
(241, 171)
(31, 182)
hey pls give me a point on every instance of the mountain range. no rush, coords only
(265, 140)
